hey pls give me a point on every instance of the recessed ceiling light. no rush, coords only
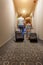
(24, 11)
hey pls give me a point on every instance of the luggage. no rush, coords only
(19, 36)
(33, 37)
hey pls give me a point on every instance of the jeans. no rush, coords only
(21, 27)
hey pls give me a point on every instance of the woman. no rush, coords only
(28, 29)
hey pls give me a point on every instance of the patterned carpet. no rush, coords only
(21, 53)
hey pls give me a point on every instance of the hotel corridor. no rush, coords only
(25, 52)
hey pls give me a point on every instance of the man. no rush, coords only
(20, 23)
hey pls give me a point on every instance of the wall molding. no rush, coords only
(6, 41)
(40, 40)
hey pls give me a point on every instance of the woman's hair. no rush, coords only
(28, 21)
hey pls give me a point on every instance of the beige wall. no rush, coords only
(7, 20)
(38, 19)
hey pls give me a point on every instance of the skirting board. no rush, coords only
(40, 40)
(6, 41)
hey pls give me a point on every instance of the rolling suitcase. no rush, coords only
(19, 36)
(33, 37)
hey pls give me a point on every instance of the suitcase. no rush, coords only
(19, 36)
(33, 37)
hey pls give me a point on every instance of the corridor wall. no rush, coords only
(38, 19)
(7, 20)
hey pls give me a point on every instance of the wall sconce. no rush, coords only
(35, 1)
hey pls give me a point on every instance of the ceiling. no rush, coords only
(24, 7)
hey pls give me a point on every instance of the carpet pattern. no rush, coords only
(21, 53)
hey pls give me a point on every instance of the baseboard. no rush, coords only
(40, 40)
(6, 41)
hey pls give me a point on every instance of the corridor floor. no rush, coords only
(21, 53)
